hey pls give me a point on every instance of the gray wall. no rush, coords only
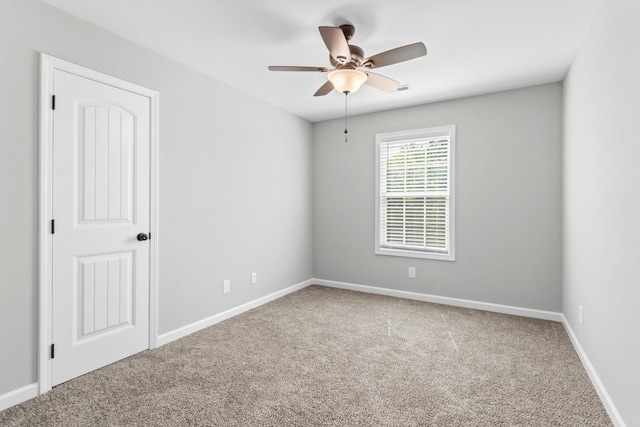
(224, 211)
(508, 200)
(602, 201)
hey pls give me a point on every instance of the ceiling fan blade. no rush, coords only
(324, 89)
(336, 43)
(393, 56)
(294, 68)
(381, 82)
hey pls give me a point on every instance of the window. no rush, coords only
(415, 193)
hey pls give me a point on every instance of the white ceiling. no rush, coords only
(474, 46)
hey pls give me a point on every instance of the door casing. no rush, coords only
(47, 65)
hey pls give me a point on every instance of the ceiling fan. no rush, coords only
(347, 59)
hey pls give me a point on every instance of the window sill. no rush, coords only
(415, 254)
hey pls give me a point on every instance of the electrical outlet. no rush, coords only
(254, 278)
(580, 315)
(226, 286)
(412, 272)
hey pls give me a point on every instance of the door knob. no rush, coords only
(142, 237)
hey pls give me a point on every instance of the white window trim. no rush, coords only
(419, 134)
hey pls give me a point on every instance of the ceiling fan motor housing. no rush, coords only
(357, 55)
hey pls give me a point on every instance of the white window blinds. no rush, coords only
(414, 193)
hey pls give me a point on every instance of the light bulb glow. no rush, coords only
(347, 80)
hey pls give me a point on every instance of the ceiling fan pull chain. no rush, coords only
(346, 132)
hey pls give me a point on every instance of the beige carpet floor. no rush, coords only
(329, 357)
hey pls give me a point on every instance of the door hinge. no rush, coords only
(53, 226)
(53, 351)
(53, 102)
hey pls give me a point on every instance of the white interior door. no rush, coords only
(100, 203)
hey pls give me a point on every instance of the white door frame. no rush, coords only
(47, 65)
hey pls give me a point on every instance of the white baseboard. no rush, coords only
(611, 409)
(456, 302)
(498, 308)
(20, 395)
(210, 321)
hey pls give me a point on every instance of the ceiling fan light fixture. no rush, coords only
(347, 80)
